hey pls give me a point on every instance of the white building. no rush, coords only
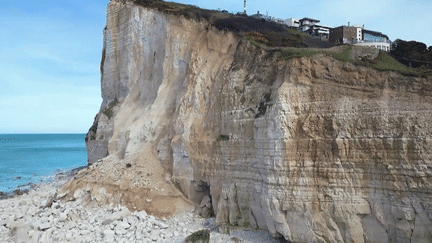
(359, 32)
(374, 39)
(383, 46)
(307, 23)
(292, 22)
(357, 35)
(319, 30)
(312, 27)
(262, 16)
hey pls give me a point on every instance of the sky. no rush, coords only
(50, 51)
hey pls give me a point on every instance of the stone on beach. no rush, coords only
(116, 216)
(22, 220)
(62, 217)
(202, 236)
(44, 226)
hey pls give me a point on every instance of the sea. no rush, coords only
(36, 158)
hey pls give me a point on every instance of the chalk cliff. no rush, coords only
(310, 149)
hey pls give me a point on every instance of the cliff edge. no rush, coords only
(311, 149)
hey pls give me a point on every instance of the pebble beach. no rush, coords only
(36, 216)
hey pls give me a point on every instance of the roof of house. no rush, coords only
(257, 15)
(312, 20)
(345, 26)
(322, 26)
(375, 33)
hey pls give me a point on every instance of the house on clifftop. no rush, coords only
(357, 35)
(312, 27)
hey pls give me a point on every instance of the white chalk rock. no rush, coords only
(141, 215)
(62, 217)
(44, 226)
(116, 216)
(123, 225)
(163, 225)
(120, 231)
(154, 235)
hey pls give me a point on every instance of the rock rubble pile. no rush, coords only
(39, 217)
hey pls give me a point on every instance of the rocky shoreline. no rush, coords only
(26, 188)
(37, 216)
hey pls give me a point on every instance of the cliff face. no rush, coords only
(310, 149)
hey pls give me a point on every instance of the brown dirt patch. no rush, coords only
(139, 186)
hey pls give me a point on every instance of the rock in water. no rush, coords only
(202, 236)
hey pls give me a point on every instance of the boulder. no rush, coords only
(202, 236)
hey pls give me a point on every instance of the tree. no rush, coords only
(411, 53)
(410, 50)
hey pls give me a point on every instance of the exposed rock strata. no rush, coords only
(310, 149)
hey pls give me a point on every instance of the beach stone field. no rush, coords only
(36, 216)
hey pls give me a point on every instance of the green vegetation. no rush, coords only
(291, 53)
(250, 110)
(199, 236)
(343, 56)
(412, 53)
(385, 62)
(242, 99)
(109, 112)
(258, 31)
(273, 37)
(172, 5)
(188, 11)
(295, 53)
(253, 41)
(223, 138)
(92, 131)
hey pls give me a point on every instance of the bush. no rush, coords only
(109, 112)
(223, 138)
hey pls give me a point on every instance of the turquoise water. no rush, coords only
(32, 158)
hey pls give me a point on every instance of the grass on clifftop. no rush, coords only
(269, 35)
(383, 62)
(264, 32)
